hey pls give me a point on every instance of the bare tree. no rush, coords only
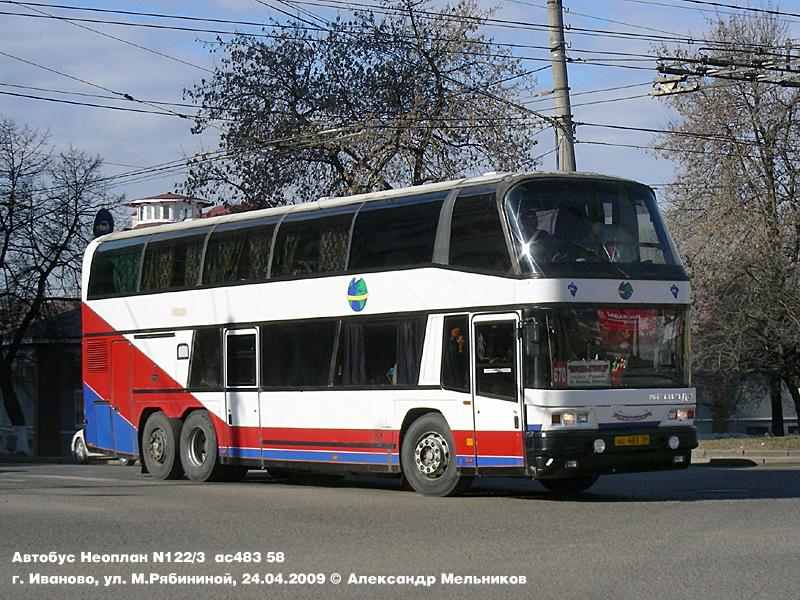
(736, 209)
(47, 203)
(403, 97)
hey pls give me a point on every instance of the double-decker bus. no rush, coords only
(528, 324)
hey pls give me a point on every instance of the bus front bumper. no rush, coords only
(560, 454)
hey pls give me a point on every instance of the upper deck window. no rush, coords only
(238, 252)
(396, 233)
(476, 234)
(115, 268)
(589, 227)
(172, 260)
(313, 242)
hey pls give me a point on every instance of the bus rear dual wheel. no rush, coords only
(172, 448)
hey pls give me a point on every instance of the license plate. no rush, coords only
(631, 440)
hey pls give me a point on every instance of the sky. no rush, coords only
(176, 60)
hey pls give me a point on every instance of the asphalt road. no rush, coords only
(702, 533)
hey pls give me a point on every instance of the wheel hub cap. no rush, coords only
(432, 455)
(197, 447)
(158, 445)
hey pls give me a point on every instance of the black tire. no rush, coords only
(80, 452)
(159, 450)
(571, 485)
(199, 449)
(428, 458)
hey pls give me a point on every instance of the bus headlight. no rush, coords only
(681, 414)
(569, 418)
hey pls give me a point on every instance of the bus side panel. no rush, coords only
(303, 427)
(124, 432)
(99, 432)
(138, 384)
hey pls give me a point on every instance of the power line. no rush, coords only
(479, 122)
(690, 134)
(316, 40)
(223, 154)
(118, 39)
(511, 24)
(662, 148)
(123, 95)
(92, 105)
(596, 18)
(430, 15)
(634, 56)
(699, 9)
(767, 11)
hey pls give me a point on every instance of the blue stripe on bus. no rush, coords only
(376, 458)
(245, 452)
(468, 460)
(106, 428)
(534, 427)
(500, 461)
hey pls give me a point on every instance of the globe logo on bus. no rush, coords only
(625, 290)
(357, 294)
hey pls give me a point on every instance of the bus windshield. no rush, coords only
(606, 347)
(589, 227)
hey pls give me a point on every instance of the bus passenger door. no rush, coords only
(496, 398)
(241, 393)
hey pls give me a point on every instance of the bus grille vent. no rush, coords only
(96, 355)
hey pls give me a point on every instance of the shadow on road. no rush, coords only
(701, 483)
(707, 482)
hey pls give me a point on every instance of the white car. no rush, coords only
(84, 455)
(80, 451)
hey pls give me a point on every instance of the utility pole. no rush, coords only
(565, 145)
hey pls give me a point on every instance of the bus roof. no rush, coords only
(327, 202)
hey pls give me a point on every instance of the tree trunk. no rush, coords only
(791, 383)
(10, 400)
(718, 387)
(777, 405)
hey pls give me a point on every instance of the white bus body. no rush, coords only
(444, 369)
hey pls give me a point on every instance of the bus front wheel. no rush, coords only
(160, 446)
(199, 449)
(428, 457)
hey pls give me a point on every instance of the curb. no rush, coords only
(745, 458)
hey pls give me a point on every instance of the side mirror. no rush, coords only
(530, 329)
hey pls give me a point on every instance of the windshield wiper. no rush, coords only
(604, 259)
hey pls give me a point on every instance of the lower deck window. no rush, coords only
(377, 353)
(297, 354)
